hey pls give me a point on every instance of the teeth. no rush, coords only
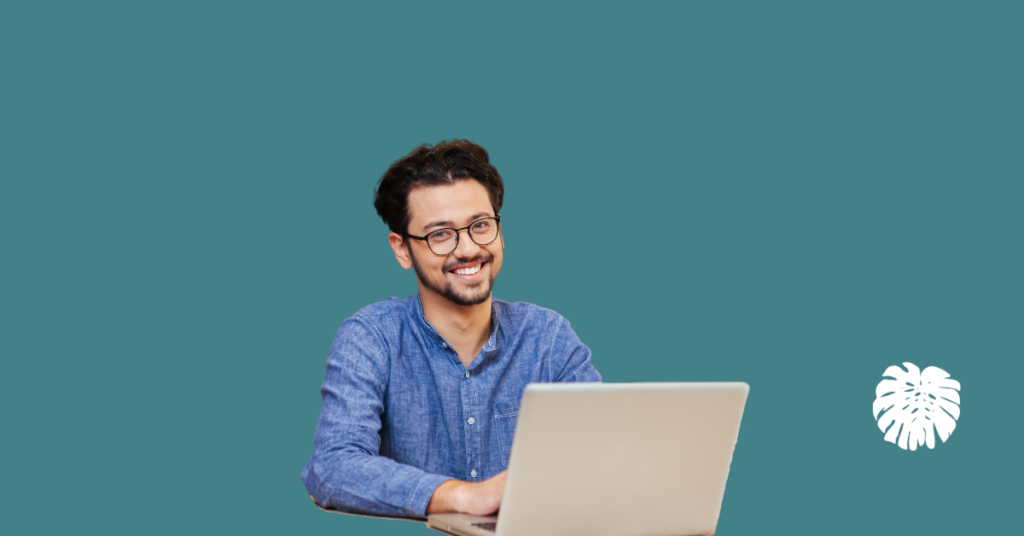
(468, 271)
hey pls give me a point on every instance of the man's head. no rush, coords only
(450, 185)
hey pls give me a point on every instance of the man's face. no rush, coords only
(454, 206)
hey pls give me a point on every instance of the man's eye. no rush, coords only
(441, 235)
(481, 225)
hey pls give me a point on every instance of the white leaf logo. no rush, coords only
(914, 404)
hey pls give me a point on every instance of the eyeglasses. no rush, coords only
(444, 241)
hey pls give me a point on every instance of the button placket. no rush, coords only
(468, 396)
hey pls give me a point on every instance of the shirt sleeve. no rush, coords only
(571, 358)
(346, 471)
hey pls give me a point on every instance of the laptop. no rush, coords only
(631, 459)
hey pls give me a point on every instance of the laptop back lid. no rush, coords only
(621, 459)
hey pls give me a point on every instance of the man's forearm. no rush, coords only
(443, 501)
(355, 482)
(474, 498)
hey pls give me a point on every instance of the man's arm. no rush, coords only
(346, 471)
(570, 357)
(474, 498)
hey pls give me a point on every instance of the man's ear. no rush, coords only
(401, 249)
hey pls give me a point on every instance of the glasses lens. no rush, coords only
(484, 231)
(442, 242)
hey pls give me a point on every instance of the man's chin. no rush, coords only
(459, 298)
(459, 292)
(474, 295)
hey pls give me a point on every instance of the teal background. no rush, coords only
(792, 195)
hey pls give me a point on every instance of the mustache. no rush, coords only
(482, 257)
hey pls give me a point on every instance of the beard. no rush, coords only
(475, 295)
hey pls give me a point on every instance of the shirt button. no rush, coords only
(471, 420)
(473, 473)
(444, 345)
(467, 373)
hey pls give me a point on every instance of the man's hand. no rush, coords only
(474, 498)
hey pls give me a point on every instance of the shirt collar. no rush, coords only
(417, 311)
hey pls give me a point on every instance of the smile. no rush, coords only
(468, 270)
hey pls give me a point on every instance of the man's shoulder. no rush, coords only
(519, 312)
(381, 321)
(390, 308)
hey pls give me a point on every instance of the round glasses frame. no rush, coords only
(468, 229)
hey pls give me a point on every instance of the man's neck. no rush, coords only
(465, 327)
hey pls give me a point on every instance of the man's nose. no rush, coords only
(467, 248)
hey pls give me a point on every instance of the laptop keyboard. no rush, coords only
(486, 526)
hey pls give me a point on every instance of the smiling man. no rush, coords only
(421, 395)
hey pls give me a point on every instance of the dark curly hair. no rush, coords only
(447, 162)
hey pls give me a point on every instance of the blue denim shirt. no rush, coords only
(401, 414)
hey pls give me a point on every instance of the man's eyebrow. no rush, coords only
(448, 223)
(442, 223)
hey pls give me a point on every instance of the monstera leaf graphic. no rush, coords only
(911, 406)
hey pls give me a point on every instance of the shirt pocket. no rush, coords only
(505, 415)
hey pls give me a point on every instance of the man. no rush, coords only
(421, 395)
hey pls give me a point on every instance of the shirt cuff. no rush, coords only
(424, 491)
